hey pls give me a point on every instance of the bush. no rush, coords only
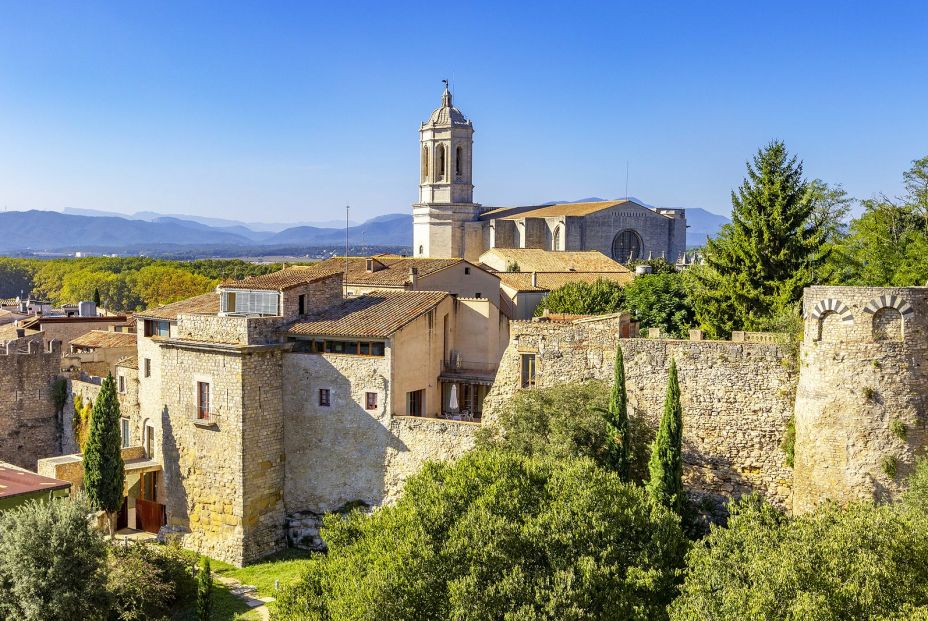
(204, 590)
(494, 536)
(139, 586)
(661, 301)
(566, 421)
(52, 563)
(859, 562)
(583, 298)
(917, 494)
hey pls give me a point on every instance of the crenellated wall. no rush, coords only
(28, 420)
(862, 394)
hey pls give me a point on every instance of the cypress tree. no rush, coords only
(104, 473)
(204, 590)
(665, 467)
(758, 265)
(96, 297)
(617, 420)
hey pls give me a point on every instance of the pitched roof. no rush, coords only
(105, 339)
(546, 281)
(206, 304)
(393, 270)
(377, 314)
(281, 280)
(16, 481)
(553, 211)
(537, 260)
(129, 362)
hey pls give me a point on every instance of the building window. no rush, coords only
(250, 303)
(157, 328)
(421, 249)
(414, 402)
(146, 367)
(370, 400)
(124, 431)
(122, 383)
(479, 295)
(332, 346)
(302, 304)
(466, 271)
(149, 441)
(203, 400)
(626, 246)
(459, 161)
(528, 370)
(440, 163)
(425, 164)
(325, 397)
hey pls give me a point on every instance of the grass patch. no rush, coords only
(226, 607)
(286, 566)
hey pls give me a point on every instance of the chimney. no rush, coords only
(414, 277)
(534, 279)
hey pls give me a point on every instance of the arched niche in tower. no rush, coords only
(459, 161)
(425, 163)
(440, 162)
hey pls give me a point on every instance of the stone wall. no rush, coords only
(320, 294)
(28, 420)
(863, 392)
(736, 397)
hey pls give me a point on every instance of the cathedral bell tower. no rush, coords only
(446, 189)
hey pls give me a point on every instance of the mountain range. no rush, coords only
(98, 231)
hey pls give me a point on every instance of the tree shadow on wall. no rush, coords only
(176, 501)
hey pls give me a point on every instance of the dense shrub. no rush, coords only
(139, 583)
(52, 563)
(582, 298)
(661, 301)
(838, 563)
(498, 536)
(563, 422)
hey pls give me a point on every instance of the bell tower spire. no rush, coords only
(446, 189)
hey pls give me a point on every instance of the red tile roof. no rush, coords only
(206, 304)
(377, 314)
(280, 280)
(15, 481)
(104, 339)
(392, 270)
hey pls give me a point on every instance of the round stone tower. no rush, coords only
(863, 390)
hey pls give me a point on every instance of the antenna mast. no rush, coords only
(347, 210)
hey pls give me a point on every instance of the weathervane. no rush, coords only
(445, 82)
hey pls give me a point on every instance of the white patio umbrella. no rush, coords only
(453, 400)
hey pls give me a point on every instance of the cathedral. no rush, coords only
(447, 223)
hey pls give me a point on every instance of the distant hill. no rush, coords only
(153, 216)
(391, 230)
(701, 225)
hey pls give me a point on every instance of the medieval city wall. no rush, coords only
(737, 398)
(28, 420)
(863, 392)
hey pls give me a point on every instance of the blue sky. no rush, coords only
(286, 111)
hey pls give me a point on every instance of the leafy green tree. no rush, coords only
(104, 474)
(617, 427)
(204, 590)
(665, 484)
(139, 585)
(15, 277)
(661, 301)
(52, 563)
(760, 262)
(563, 422)
(496, 536)
(659, 265)
(861, 562)
(581, 298)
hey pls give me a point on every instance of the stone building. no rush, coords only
(447, 223)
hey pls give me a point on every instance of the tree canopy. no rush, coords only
(498, 536)
(583, 298)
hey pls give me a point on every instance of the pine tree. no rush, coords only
(617, 420)
(104, 473)
(758, 265)
(96, 297)
(665, 467)
(204, 590)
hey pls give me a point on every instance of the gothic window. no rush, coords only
(425, 163)
(459, 161)
(421, 249)
(440, 163)
(626, 246)
(556, 239)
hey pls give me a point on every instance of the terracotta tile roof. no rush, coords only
(546, 281)
(377, 314)
(206, 304)
(551, 211)
(280, 280)
(537, 260)
(129, 362)
(15, 481)
(393, 270)
(104, 339)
